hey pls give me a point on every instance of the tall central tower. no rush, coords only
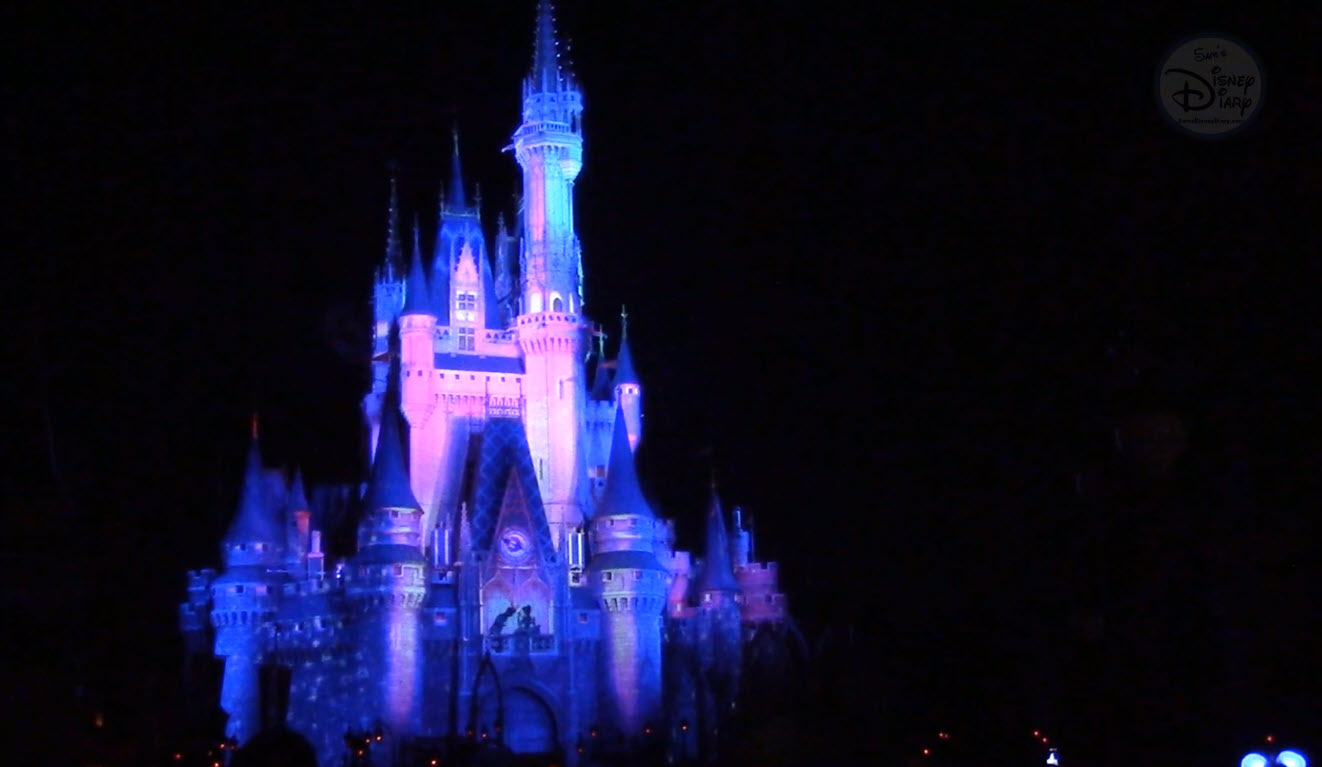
(552, 331)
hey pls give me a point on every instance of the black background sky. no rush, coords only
(898, 268)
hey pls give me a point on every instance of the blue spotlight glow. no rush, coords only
(1291, 759)
(1253, 760)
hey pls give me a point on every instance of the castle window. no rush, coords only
(638, 574)
(238, 589)
(399, 570)
(557, 305)
(606, 576)
(582, 617)
(467, 339)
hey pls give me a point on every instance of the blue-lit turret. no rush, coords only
(549, 148)
(387, 577)
(552, 330)
(630, 587)
(461, 255)
(628, 391)
(720, 636)
(247, 594)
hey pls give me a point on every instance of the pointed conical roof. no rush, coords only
(458, 198)
(624, 372)
(717, 573)
(298, 498)
(494, 319)
(394, 252)
(622, 494)
(389, 486)
(545, 60)
(416, 299)
(601, 381)
(442, 266)
(258, 520)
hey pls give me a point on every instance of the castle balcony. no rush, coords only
(504, 407)
(520, 644)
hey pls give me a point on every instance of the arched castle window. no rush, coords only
(557, 305)
(535, 302)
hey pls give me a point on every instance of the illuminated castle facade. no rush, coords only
(510, 582)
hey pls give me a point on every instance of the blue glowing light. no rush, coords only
(1291, 759)
(1253, 760)
(1053, 757)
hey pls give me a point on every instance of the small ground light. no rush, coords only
(927, 752)
(943, 735)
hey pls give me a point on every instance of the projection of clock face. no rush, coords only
(514, 545)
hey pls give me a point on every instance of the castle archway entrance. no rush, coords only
(529, 722)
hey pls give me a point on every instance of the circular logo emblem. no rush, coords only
(514, 544)
(1210, 86)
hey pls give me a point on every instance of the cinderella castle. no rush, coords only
(504, 580)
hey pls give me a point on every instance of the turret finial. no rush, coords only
(457, 197)
(393, 256)
(624, 323)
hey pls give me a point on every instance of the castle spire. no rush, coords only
(394, 252)
(622, 494)
(458, 200)
(257, 521)
(389, 487)
(298, 497)
(416, 300)
(546, 57)
(717, 572)
(624, 372)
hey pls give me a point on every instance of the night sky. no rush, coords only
(901, 274)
